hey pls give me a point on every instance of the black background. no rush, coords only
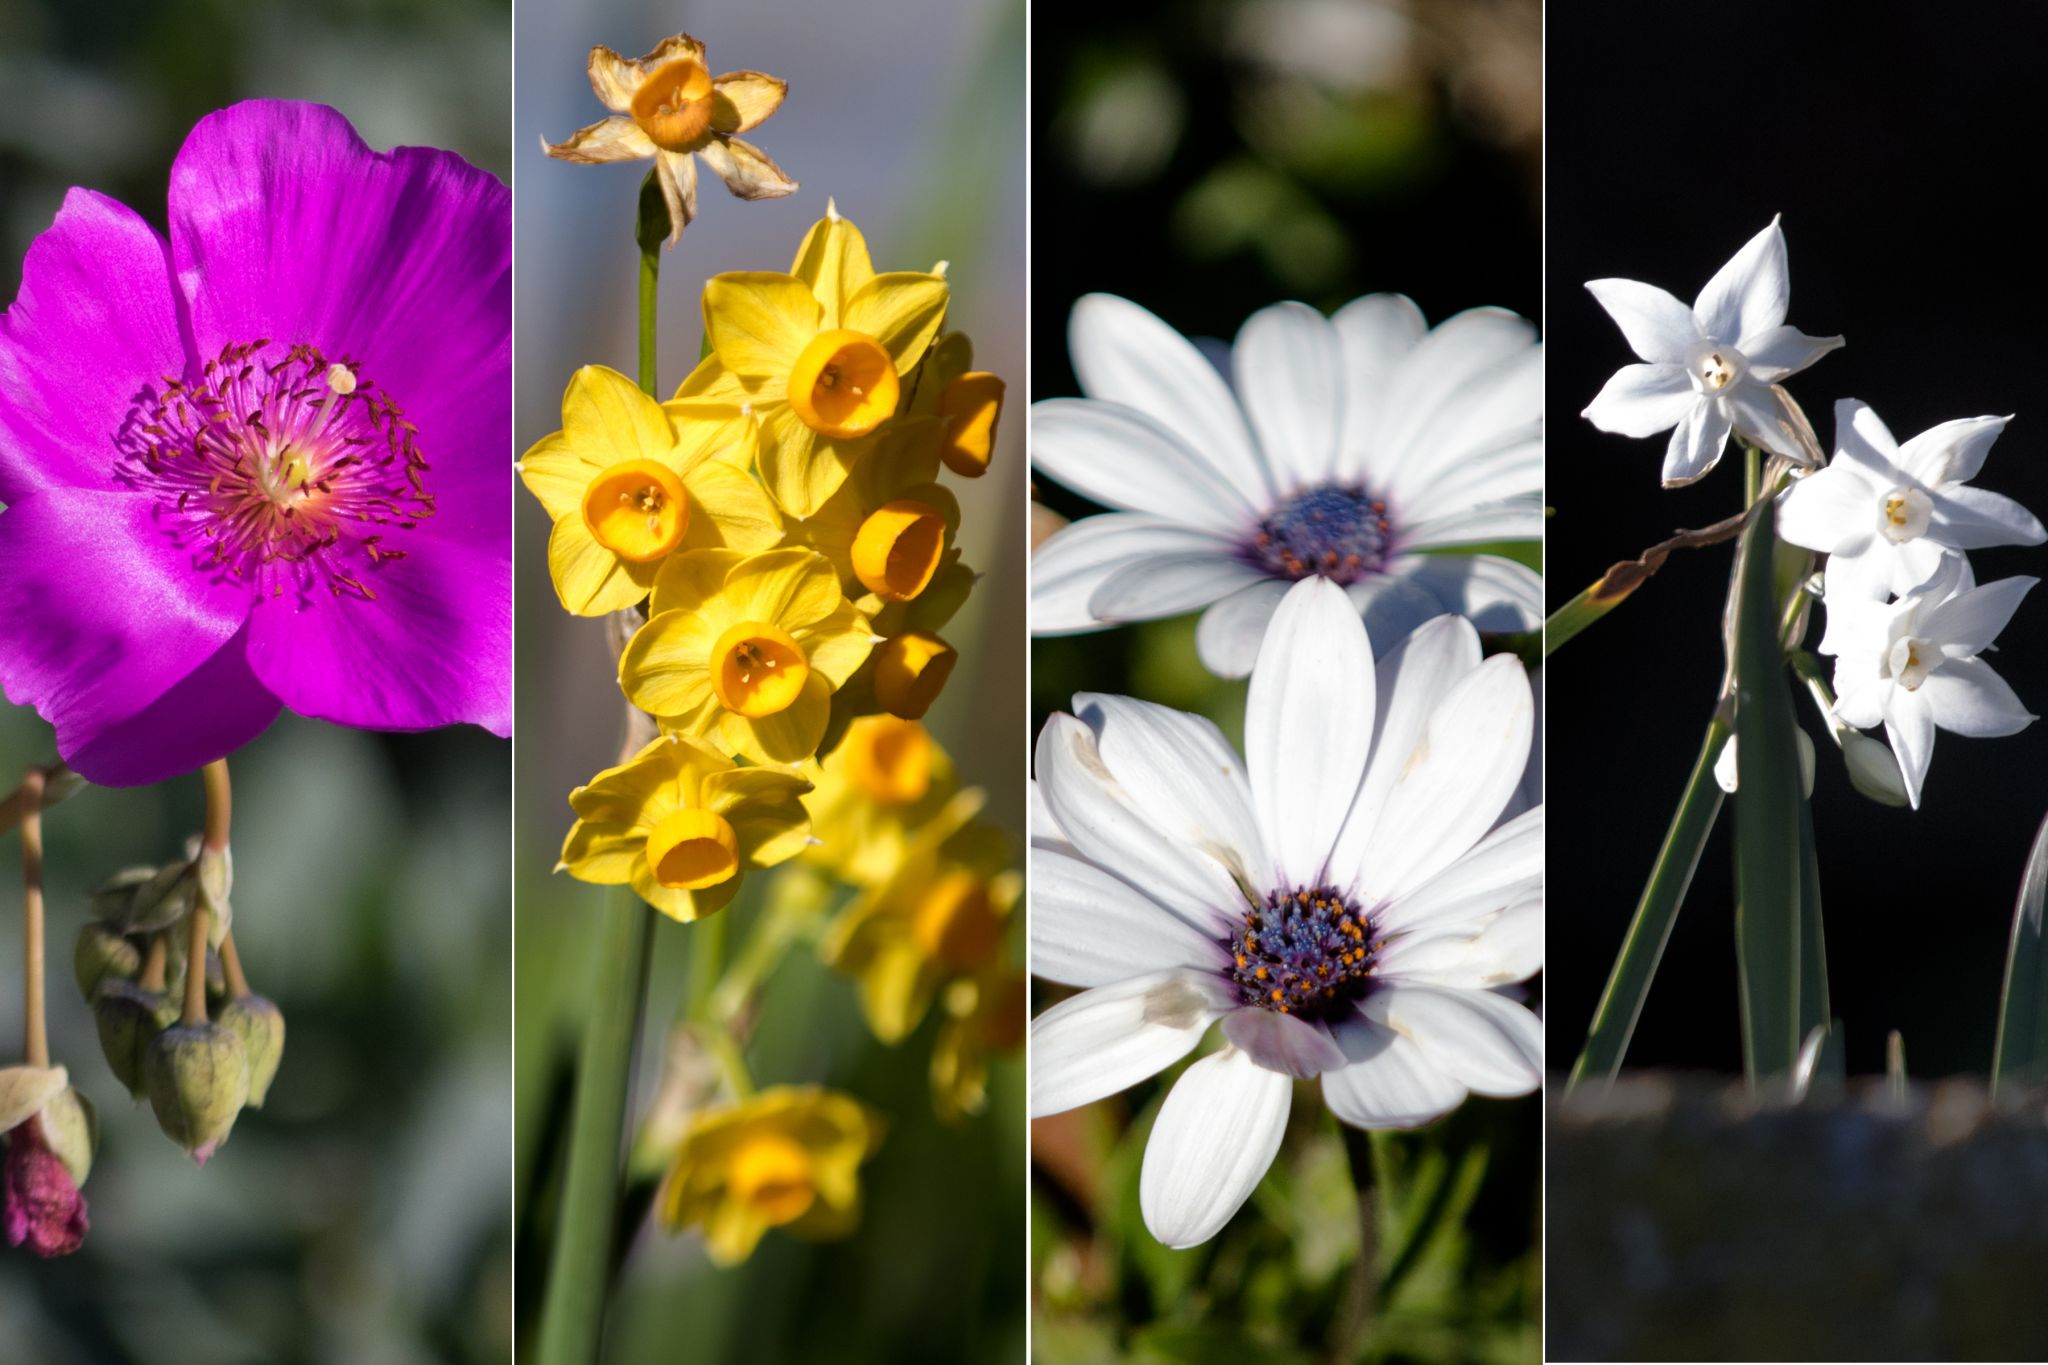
(1902, 145)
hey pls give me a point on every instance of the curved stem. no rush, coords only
(231, 967)
(219, 803)
(35, 1029)
(155, 964)
(56, 781)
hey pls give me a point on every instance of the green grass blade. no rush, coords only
(1767, 861)
(1636, 965)
(1813, 960)
(2021, 1056)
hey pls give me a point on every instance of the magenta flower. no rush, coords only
(263, 463)
(40, 1206)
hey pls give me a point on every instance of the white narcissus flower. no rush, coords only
(1356, 447)
(1709, 367)
(1346, 901)
(1885, 514)
(1912, 665)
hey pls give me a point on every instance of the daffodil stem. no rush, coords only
(707, 962)
(579, 1279)
(1621, 1004)
(219, 803)
(35, 1029)
(650, 280)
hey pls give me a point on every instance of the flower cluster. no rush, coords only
(777, 546)
(1907, 621)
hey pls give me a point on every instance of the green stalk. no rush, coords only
(1629, 982)
(2020, 1056)
(579, 1276)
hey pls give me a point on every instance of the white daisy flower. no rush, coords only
(1709, 367)
(1343, 447)
(1345, 901)
(1886, 514)
(1912, 665)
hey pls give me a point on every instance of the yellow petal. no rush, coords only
(765, 809)
(902, 310)
(614, 79)
(791, 735)
(602, 855)
(801, 468)
(589, 579)
(759, 323)
(709, 429)
(606, 419)
(791, 588)
(681, 905)
(728, 510)
(839, 644)
(665, 667)
(742, 99)
(681, 47)
(745, 168)
(712, 382)
(895, 991)
(833, 261)
(691, 580)
(612, 140)
(732, 1232)
(553, 472)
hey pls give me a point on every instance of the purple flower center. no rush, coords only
(279, 469)
(1339, 532)
(1306, 951)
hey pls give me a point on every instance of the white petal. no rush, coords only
(1501, 869)
(1656, 326)
(1497, 595)
(1121, 458)
(1696, 444)
(1170, 585)
(1228, 637)
(1514, 469)
(1966, 697)
(1090, 928)
(1110, 1038)
(1784, 351)
(1451, 784)
(1952, 452)
(1862, 438)
(1499, 403)
(1182, 773)
(1100, 820)
(1973, 518)
(1409, 681)
(1125, 354)
(1749, 295)
(1073, 563)
(1760, 413)
(1498, 950)
(1486, 1042)
(1910, 726)
(1215, 1137)
(1389, 1083)
(1308, 726)
(1642, 400)
(1288, 366)
(1043, 829)
(1519, 518)
(1827, 509)
(1281, 1042)
(1393, 608)
(1432, 383)
(1375, 331)
(1967, 623)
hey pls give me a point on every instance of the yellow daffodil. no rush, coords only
(681, 825)
(983, 1015)
(883, 782)
(965, 402)
(669, 106)
(941, 915)
(746, 648)
(822, 353)
(787, 1158)
(891, 528)
(629, 482)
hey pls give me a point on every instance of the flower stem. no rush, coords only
(195, 966)
(231, 967)
(36, 1030)
(1354, 1314)
(650, 230)
(578, 1281)
(219, 803)
(54, 782)
(1634, 968)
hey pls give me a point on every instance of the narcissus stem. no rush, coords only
(35, 1029)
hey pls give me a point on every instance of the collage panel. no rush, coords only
(1794, 1015)
(255, 385)
(1285, 881)
(770, 784)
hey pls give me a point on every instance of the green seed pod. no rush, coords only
(198, 1082)
(130, 1018)
(71, 1130)
(261, 1024)
(103, 952)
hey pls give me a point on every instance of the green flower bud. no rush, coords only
(130, 1018)
(261, 1025)
(71, 1130)
(112, 898)
(103, 952)
(163, 900)
(198, 1083)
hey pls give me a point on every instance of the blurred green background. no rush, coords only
(910, 114)
(363, 1215)
(1206, 158)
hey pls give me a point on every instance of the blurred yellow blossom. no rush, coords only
(870, 796)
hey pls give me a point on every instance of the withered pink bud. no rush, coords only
(44, 1210)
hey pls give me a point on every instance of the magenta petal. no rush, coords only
(433, 648)
(44, 1210)
(96, 318)
(100, 614)
(219, 707)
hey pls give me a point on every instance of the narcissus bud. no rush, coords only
(130, 1018)
(102, 953)
(261, 1026)
(198, 1078)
